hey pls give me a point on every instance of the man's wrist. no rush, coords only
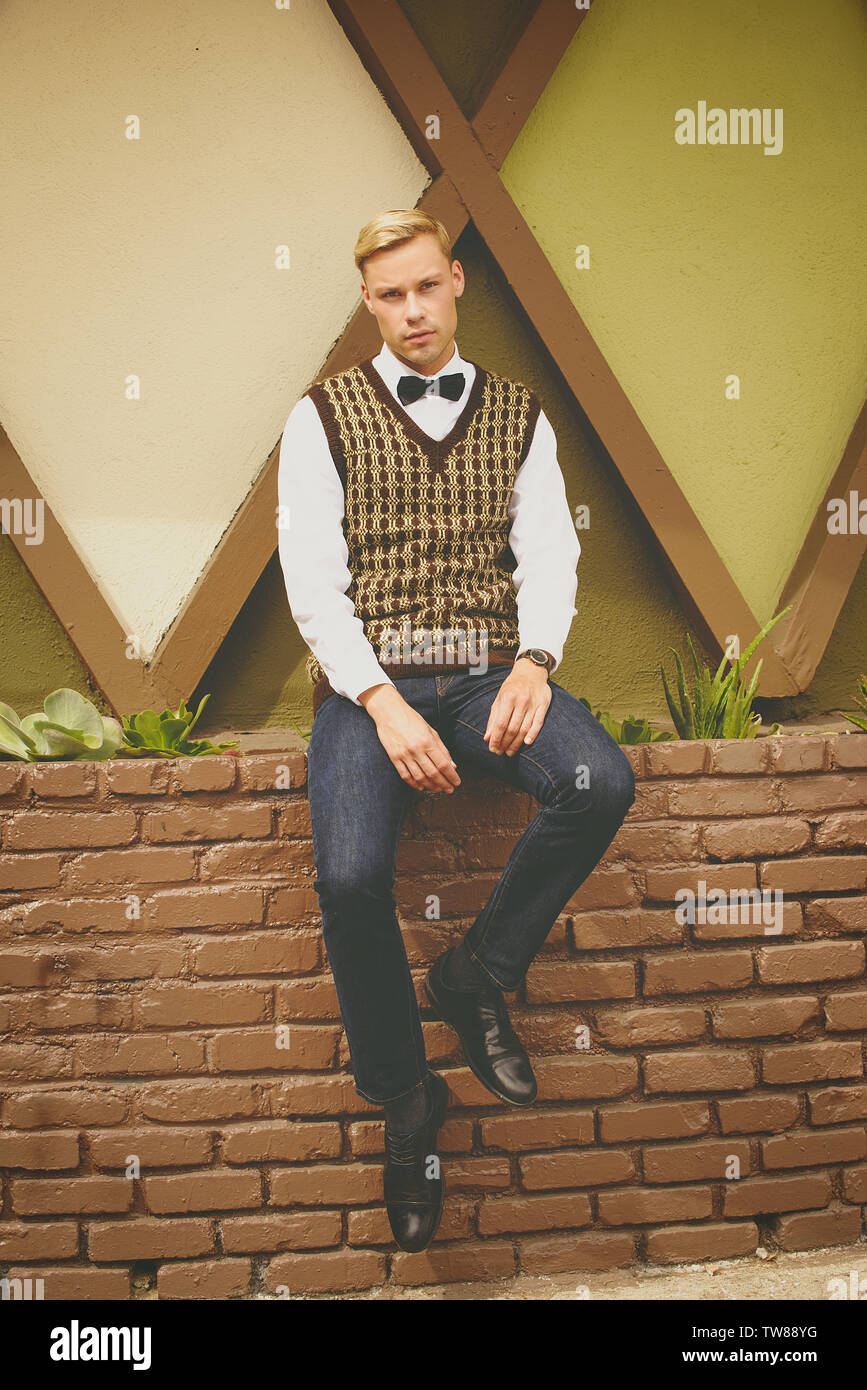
(378, 697)
(526, 660)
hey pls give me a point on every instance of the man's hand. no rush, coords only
(416, 749)
(519, 710)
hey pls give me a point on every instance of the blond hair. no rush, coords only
(396, 226)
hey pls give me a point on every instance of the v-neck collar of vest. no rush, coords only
(434, 448)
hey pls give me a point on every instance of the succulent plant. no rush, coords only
(630, 730)
(721, 706)
(860, 698)
(167, 735)
(68, 727)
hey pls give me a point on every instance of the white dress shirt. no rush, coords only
(314, 554)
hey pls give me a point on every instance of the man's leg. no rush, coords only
(585, 786)
(358, 803)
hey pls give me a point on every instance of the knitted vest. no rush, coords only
(426, 522)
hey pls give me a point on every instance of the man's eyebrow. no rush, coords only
(434, 275)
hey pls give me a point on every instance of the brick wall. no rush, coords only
(158, 924)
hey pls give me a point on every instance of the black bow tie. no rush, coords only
(412, 388)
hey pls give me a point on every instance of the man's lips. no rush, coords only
(424, 334)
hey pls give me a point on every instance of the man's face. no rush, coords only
(412, 290)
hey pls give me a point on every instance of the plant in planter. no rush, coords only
(860, 698)
(721, 705)
(167, 735)
(69, 727)
(630, 730)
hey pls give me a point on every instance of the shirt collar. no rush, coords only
(391, 369)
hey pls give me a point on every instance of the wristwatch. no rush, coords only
(537, 656)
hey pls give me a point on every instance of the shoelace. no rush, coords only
(406, 1148)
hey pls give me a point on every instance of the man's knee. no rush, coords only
(603, 786)
(347, 883)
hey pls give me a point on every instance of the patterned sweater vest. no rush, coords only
(427, 522)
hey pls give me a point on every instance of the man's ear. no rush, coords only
(459, 288)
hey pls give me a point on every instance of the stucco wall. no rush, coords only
(699, 265)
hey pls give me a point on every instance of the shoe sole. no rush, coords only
(438, 1013)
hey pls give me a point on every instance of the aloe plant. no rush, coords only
(630, 730)
(68, 727)
(860, 698)
(721, 705)
(305, 733)
(166, 735)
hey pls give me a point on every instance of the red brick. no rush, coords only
(723, 796)
(277, 1141)
(215, 1189)
(811, 960)
(601, 931)
(204, 907)
(812, 1062)
(806, 1149)
(764, 1018)
(639, 1206)
(143, 1238)
(368, 1137)
(845, 1013)
(370, 1226)
(136, 776)
(45, 1150)
(809, 1229)
(667, 1120)
(212, 773)
(709, 1241)
(663, 843)
(699, 1069)
(57, 829)
(758, 1114)
(824, 792)
(452, 1264)
(291, 906)
(205, 1279)
(664, 884)
(334, 1271)
(21, 872)
(848, 749)
(295, 1230)
(75, 1283)
(846, 831)
(738, 839)
(478, 1173)
(591, 1168)
(739, 756)
(32, 1061)
(62, 1196)
(179, 1005)
(804, 753)
(604, 888)
(819, 873)
(326, 1183)
(757, 918)
(637, 1027)
(256, 859)
(855, 1184)
(559, 981)
(261, 953)
(838, 1103)
(193, 1100)
(95, 1106)
(504, 1215)
(693, 1162)
(837, 914)
(293, 817)
(544, 1129)
(31, 1240)
(562, 1254)
(259, 1049)
(307, 998)
(756, 1195)
(675, 758)
(154, 1147)
(696, 973)
(107, 1054)
(138, 866)
(243, 820)
(278, 771)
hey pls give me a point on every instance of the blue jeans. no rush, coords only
(358, 803)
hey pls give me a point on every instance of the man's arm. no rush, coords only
(545, 544)
(546, 549)
(314, 556)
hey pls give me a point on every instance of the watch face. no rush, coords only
(536, 654)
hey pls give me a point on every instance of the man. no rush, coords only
(429, 561)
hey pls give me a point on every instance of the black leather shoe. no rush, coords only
(415, 1187)
(491, 1047)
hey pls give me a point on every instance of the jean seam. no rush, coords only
(399, 1096)
(539, 766)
